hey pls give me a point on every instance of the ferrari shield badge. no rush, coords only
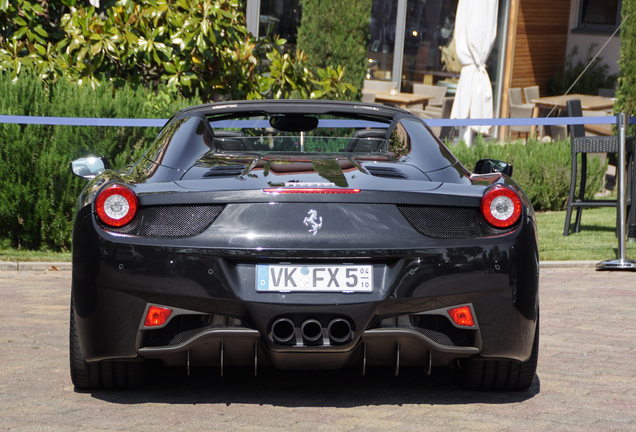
(314, 221)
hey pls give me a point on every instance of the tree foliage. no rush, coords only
(195, 46)
(626, 93)
(333, 32)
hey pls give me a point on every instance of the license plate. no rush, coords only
(312, 278)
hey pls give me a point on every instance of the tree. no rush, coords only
(194, 46)
(333, 32)
(626, 93)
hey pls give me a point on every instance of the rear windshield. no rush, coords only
(183, 141)
(306, 134)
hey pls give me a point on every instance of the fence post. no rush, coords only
(621, 263)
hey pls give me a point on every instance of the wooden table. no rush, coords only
(600, 129)
(402, 100)
(588, 102)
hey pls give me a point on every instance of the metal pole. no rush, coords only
(501, 62)
(621, 263)
(621, 121)
(252, 13)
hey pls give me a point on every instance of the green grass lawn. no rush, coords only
(10, 254)
(595, 242)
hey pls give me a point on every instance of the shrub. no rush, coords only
(38, 190)
(626, 93)
(333, 33)
(193, 46)
(541, 169)
(188, 44)
(595, 77)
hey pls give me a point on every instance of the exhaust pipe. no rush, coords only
(339, 330)
(311, 330)
(283, 330)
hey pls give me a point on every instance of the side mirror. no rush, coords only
(89, 167)
(488, 166)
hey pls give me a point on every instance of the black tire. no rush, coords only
(106, 375)
(498, 375)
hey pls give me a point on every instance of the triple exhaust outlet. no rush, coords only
(338, 331)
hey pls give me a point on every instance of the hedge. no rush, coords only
(38, 191)
(344, 33)
(626, 92)
(541, 169)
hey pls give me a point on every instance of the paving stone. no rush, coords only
(586, 377)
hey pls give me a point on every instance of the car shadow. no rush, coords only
(343, 388)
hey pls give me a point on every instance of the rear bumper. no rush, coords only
(116, 279)
(245, 347)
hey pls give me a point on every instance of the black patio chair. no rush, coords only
(594, 144)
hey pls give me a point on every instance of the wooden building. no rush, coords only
(542, 32)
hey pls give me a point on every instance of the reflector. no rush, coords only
(157, 316)
(462, 316)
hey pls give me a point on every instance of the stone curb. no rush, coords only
(34, 266)
(66, 266)
(568, 264)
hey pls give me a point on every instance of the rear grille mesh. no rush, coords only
(183, 328)
(435, 327)
(450, 222)
(170, 221)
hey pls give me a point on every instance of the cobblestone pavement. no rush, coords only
(586, 378)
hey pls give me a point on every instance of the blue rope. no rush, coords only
(79, 121)
(542, 121)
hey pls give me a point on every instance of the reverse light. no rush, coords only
(501, 206)
(157, 316)
(462, 316)
(116, 205)
(311, 191)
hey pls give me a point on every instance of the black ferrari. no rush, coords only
(302, 235)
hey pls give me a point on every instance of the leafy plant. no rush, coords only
(333, 32)
(196, 47)
(626, 92)
(595, 77)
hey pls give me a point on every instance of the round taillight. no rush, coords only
(116, 205)
(501, 206)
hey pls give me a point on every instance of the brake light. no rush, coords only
(462, 316)
(311, 191)
(116, 205)
(501, 206)
(157, 316)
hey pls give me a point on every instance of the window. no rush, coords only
(280, 17)
(382, 25)
(598, 16)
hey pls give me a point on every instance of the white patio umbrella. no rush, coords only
(475, 32)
